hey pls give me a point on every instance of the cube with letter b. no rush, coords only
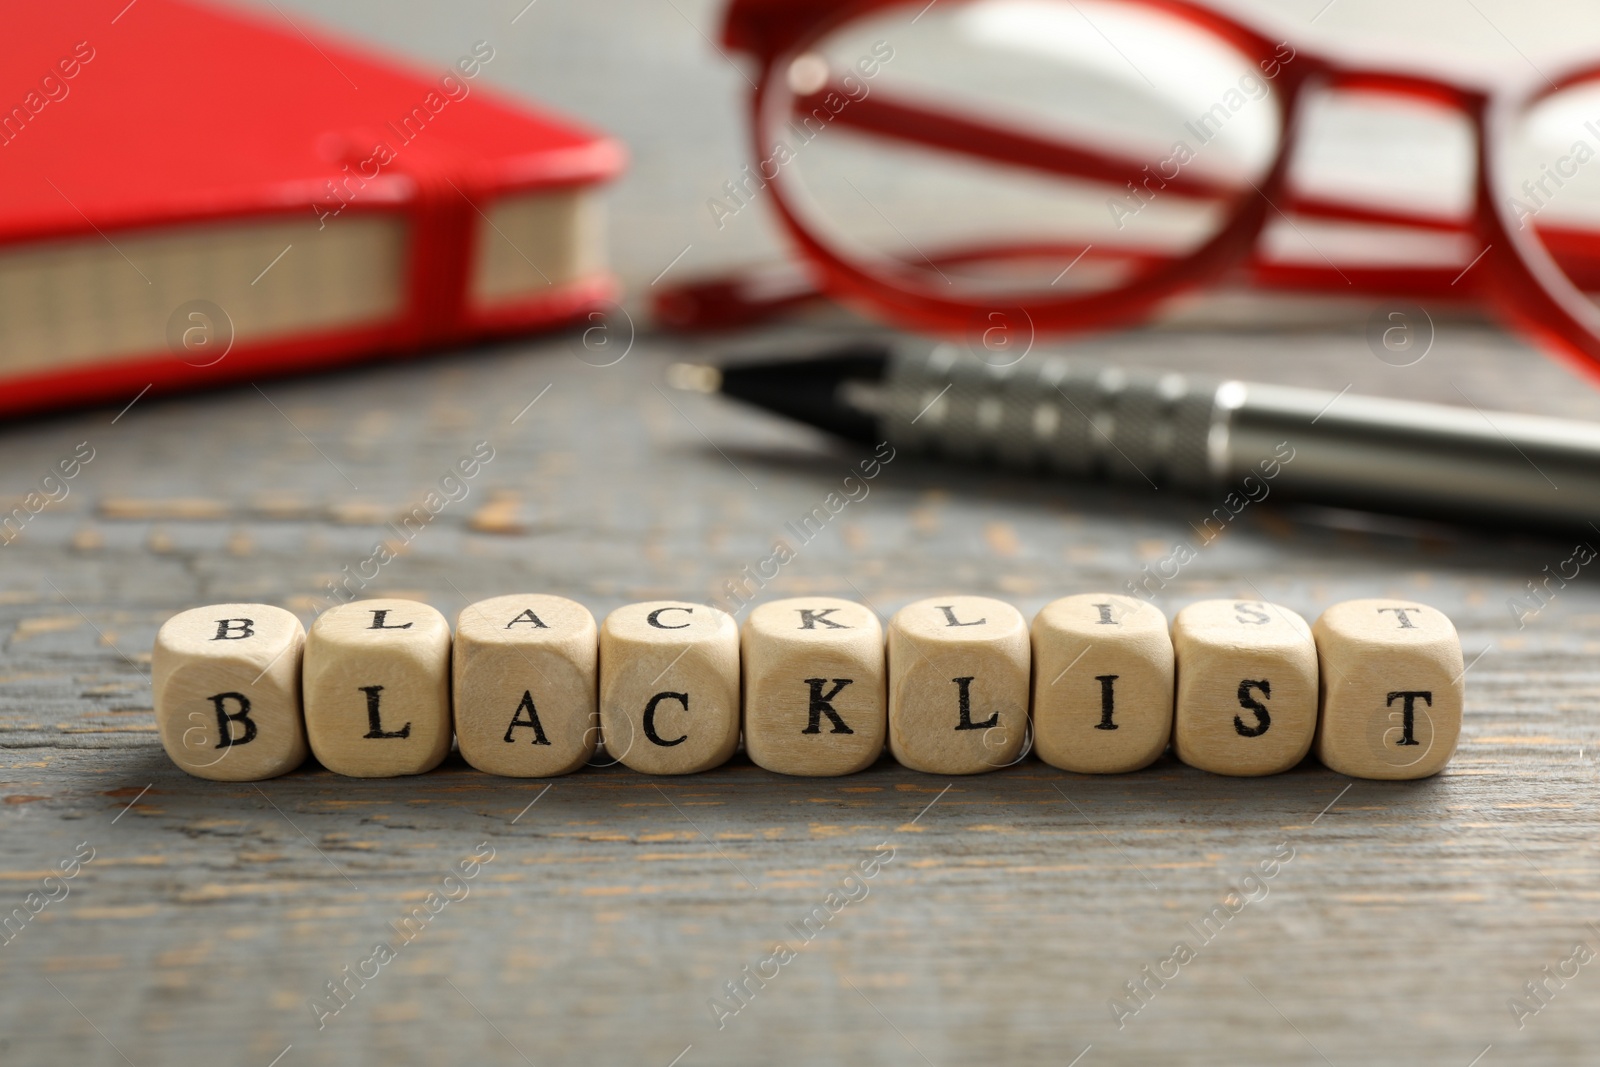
(1247, 687)
(1392, 689)
(958, 685)
(669, 686)
(525, 675)
(377, 688)
(1102, 683)
(226, 683)
(813, 686)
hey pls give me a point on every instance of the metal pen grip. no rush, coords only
(1082, 419)
(1201, 435)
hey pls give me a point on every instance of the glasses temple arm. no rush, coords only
(912, 123)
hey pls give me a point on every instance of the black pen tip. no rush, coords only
(807, 389)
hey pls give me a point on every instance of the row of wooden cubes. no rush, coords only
(529, 686)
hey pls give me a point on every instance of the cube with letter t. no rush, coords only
(1392, 689)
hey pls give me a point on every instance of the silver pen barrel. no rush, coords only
(1204, 436)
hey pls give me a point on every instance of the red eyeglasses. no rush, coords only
(1073, 164)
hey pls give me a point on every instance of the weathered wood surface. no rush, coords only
(616, 906)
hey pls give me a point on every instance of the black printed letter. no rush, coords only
(527, 616)
(964, 688)
(532, 719)
(374, 719)
(1107, 701)
(1408, 712)
(654, 618)
(809, 619)
(951, 620)
(1105, 615)
(226, 628)
(380, 614)
(225, 731)
(1257, 617)
(1400, 613)
(1263, 720)
(822, 704)
(650, 709)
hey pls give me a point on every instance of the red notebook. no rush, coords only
(191, 195)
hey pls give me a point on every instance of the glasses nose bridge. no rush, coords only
(1321, 75)
(766, 29)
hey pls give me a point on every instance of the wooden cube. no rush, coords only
(377, 688)
(1393, 687)
(1247, 687)
(669, 686)
(1102, 683)
(813, 686)
(226, 684)
(525, 670)
(958, 685)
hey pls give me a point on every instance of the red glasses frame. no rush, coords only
(1516, 270)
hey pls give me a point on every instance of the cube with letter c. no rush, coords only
(669, 686)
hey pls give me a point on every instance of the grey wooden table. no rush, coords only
(1005, 915)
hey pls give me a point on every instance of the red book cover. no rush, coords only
(191, 195)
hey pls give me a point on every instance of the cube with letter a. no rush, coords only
(1246, 699)
(377, 688)
(958, 685)
(525, 675)
(1393, 687)
(669, 686)
(813, 686)
(226, 680)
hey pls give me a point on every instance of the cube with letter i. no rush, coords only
(813, 686)
(377, 688)
(1246, 700)
(525, 675)
(669, 686)
(1392, 689)
(226, 681)
(1102, 683)
(958, 685)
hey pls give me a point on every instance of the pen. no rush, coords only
(1199, 435)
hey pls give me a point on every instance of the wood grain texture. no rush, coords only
(1016, 907)
(1017, 904)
